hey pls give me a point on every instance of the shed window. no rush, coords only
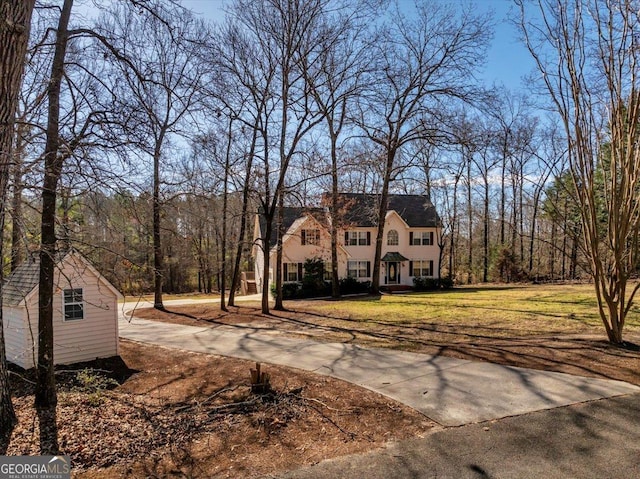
(73, 305)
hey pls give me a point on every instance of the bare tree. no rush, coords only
(587, 53)
(419, 62)
(45, 397)
(15, 23)
(280, 33)
(161, 83)
(333, 71)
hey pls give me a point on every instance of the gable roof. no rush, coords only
(416, 211)
(290, 215)
(25, 278)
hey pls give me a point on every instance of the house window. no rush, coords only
(358, 269)
(357, 238)
(392, 238)
(310, 237)
(327, 271)
(292, 272)
(421, 268)
(421, 238)
(73, 305)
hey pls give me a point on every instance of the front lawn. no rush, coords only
(503, 311)
(553, 327)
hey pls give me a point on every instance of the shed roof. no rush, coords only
(21, 282)
(25, 278)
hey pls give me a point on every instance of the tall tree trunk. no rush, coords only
(45, 395)
(382, 213)
(265, 261)
(158, 263)
(243, 220)
(470, 214)
(279, 304)
(17, 246)
(225, 205)
(454, 230)
(334, 208)
(15, 23)
(485, 235)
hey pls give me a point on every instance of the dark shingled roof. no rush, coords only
(393, 256)
(361, 209)
(21, 282)
(290, 215)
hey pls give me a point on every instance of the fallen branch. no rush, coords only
(206, 400)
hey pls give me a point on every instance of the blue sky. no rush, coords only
(507, 61)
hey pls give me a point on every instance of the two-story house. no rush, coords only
(409, 249)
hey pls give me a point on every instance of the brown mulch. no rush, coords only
(159, 412)
(585, 354)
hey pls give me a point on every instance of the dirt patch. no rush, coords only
(165, 413)
(580, 354)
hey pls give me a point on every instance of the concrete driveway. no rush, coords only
(450, 391)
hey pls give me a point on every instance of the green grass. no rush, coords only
(530, 309)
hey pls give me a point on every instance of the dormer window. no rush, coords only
(392, 238)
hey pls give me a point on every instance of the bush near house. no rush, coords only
(350, 285)
(314, 285)
(422, 283)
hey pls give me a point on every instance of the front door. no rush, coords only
(393, 272)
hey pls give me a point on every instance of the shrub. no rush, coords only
(93, 384)
(446, 283)
(313, 283)
(351, 285)
(289, 290)
(422, 283)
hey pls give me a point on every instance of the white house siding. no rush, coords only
(411, 252)
(95, 336)
(15, 336)
(296, 252)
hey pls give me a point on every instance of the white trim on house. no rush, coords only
(420, 217)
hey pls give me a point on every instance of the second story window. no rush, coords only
(421, 238)
(310, 237)
(392, 238)
(357, 238)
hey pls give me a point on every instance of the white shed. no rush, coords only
(85, 317)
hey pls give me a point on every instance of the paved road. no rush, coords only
(450, 391)
(594, 440)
